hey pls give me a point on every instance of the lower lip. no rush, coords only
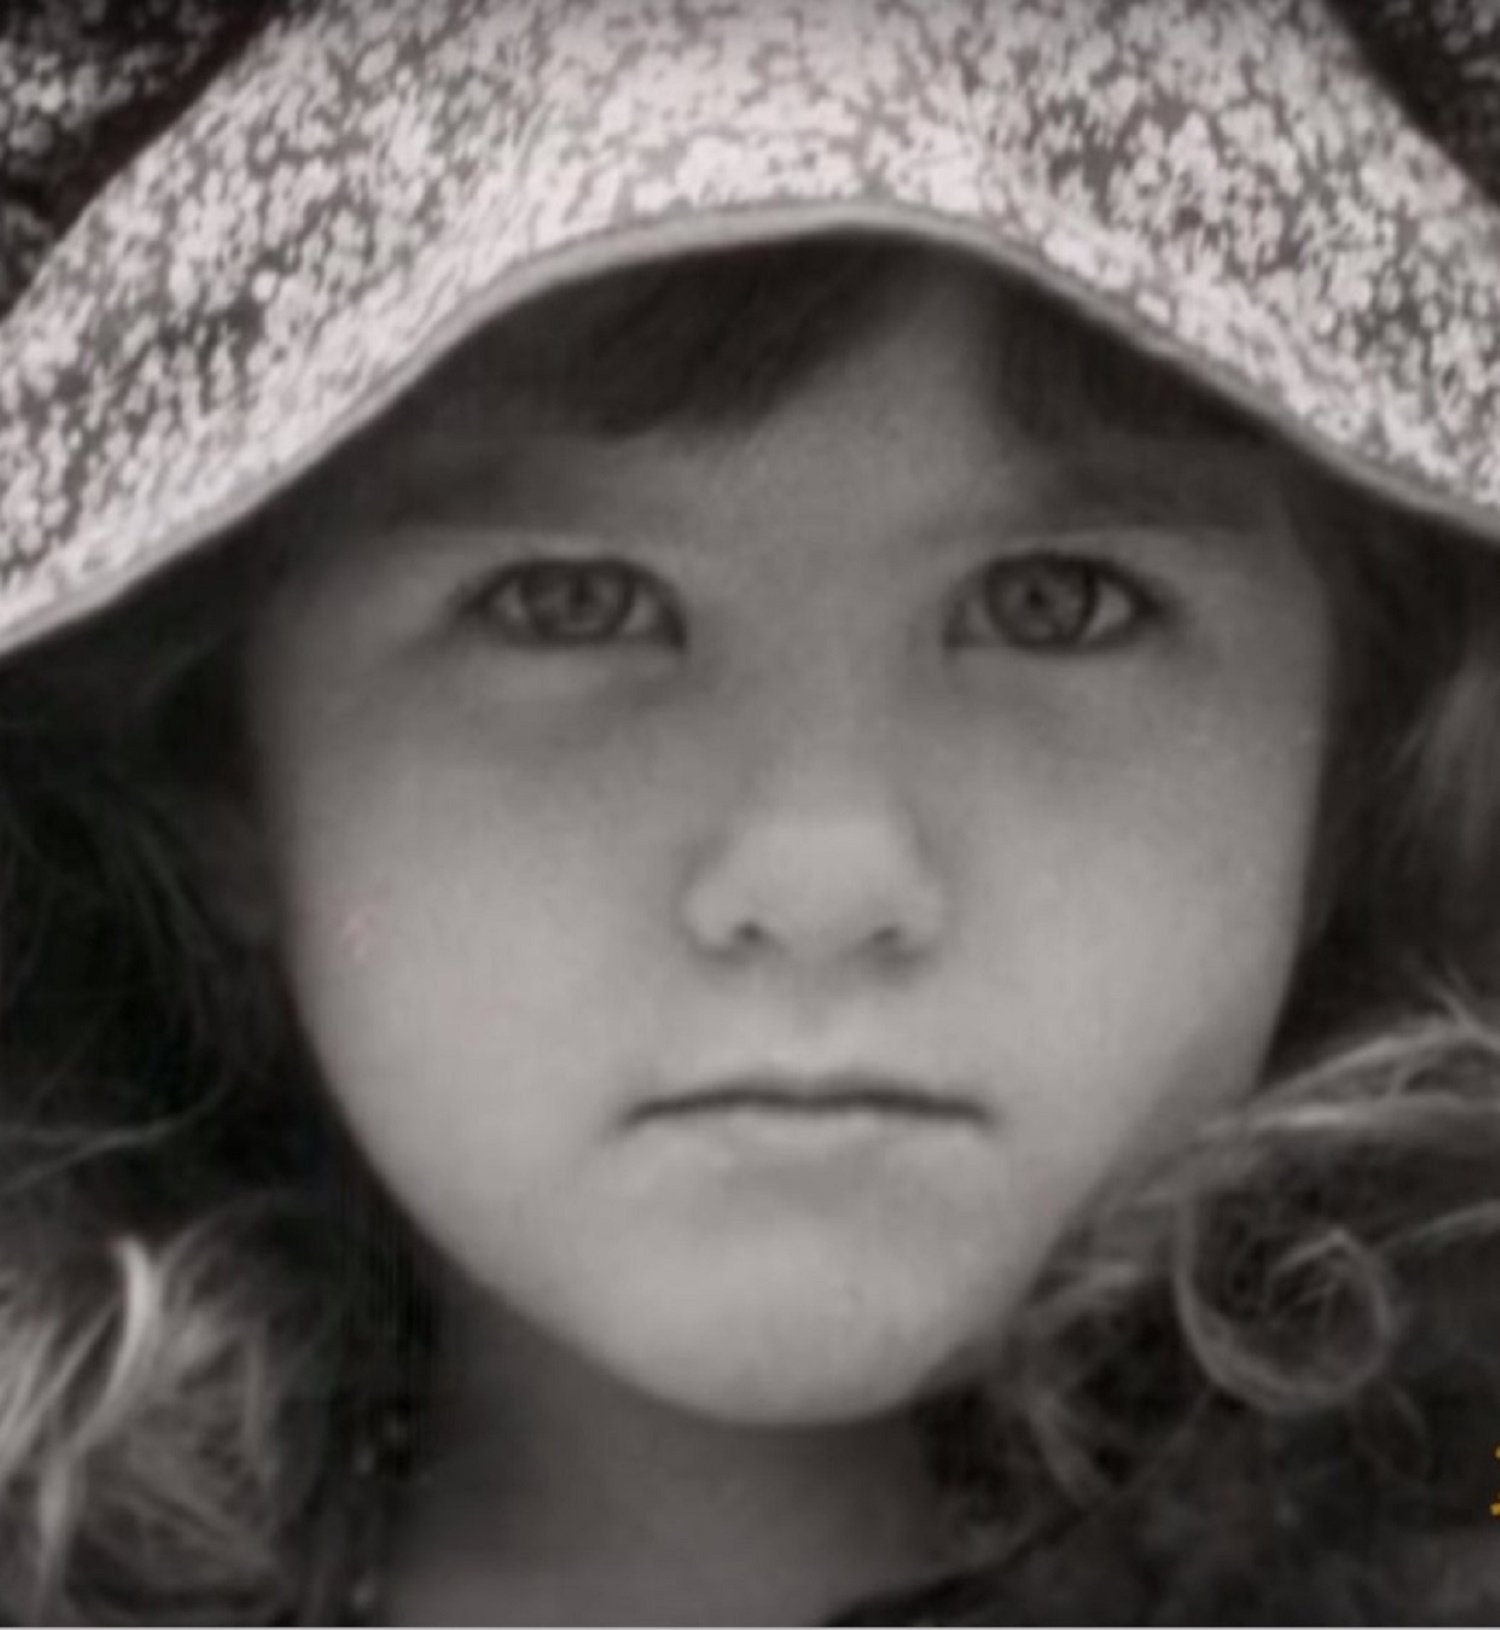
(795, 1130)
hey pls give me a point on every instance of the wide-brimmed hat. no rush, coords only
(323, 197)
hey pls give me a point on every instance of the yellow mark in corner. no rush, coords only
(1495, 1504)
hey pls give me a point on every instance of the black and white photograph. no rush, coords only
(749, 812)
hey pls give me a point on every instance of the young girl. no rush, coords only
(786, 911)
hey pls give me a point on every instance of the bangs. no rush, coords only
(718, 341)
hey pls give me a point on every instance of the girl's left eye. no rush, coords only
(1050, 603)
(551, 604)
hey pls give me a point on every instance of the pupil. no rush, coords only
(1046, 603)
(578, 601)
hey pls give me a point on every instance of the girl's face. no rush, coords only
(747, 890)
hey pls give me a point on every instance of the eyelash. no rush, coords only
(1052, 603)
(1094, 605)
(612, 617)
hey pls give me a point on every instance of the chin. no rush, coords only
(785, 1399)
(769, 1372)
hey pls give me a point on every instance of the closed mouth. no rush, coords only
(813, 1097)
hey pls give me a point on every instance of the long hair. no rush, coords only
(203, 1293)
(1259, 1385)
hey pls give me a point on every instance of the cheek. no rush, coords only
(463, 920)
(1145, 910)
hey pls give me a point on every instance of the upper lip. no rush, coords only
(815, 1092)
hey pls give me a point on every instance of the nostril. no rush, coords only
(896, 944)
(746, 939)
(750, 940)
(816, 894)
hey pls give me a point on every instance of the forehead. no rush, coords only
(926, 365)
(720, 341)
(913, 378)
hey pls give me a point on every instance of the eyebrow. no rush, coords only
(1179, 475)
(1205, 484)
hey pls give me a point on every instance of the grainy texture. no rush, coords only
(1443, 59)
(370, 179)
(83, 85)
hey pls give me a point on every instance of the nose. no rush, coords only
(822, 863)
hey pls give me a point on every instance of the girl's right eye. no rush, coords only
(567, 604)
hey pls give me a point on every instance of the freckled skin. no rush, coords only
(520, 891)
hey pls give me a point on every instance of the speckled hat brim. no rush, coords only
(371, 180)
